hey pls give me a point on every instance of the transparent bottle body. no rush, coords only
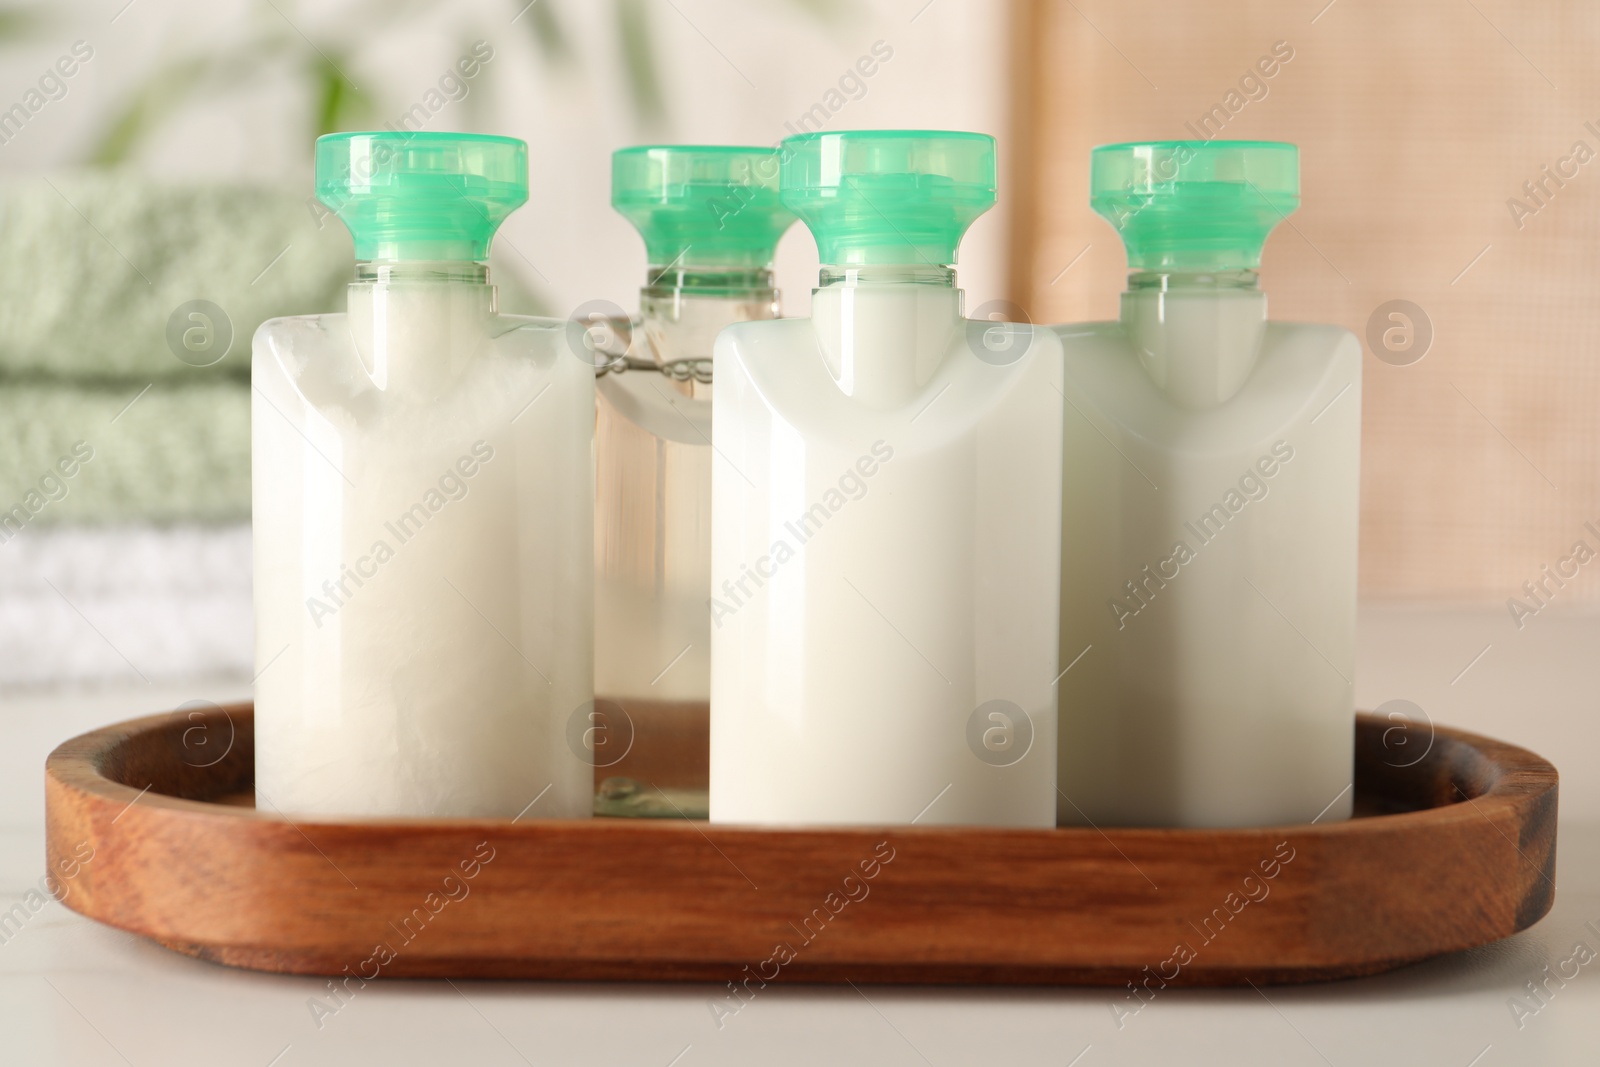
(884, 565)
(422, 523)
(652, 549)
(1208, 566)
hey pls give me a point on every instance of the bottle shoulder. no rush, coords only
(337, 323)
(764, 334)
(779, 371)
(1331, 331)
(1288, 350)
(1300, 334)
(283, 326)
(1014, 339)
(1298, 369)
(329, 361)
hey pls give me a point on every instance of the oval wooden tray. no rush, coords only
(1455, 850)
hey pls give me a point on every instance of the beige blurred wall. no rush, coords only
(1417, 121)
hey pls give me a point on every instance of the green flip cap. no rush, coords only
(888, 196)
(701, 205)
(1195, 205)
(422, 196)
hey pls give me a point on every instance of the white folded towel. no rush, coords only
(110, 604)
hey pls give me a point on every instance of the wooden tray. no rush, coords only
(1455, 850)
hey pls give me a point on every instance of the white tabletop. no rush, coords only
(74, 992)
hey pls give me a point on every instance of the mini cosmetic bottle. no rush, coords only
(423, 509)
(1209, 500)
(710, 219)
(886, 516)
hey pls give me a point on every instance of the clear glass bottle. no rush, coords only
(711, 220)
(1210, 513)
(886, 509)
(422, 511)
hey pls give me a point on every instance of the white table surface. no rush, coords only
(74, 992)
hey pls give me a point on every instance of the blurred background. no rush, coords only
(156, 153)
(173, 165)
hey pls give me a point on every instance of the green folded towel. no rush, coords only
(94, 266)
(92, 454)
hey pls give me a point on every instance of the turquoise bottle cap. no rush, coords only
(421, 196)
(701, 205)
(888, 196)
(1195, 205)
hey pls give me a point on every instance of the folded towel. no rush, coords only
(168, 452)
(94, 266)
(119, 603)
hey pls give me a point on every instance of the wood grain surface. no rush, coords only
(1453, 851)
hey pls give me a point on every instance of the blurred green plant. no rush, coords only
(272, 44)
(18, 22)
(639, 62)
(320, 57)
(548, 35)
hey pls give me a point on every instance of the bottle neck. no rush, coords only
(419, 324)
(389, 271)
(1193, 281)
(683, 308)
(884, 329)
(924, 274)
(710, 282)
(1197, 334)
